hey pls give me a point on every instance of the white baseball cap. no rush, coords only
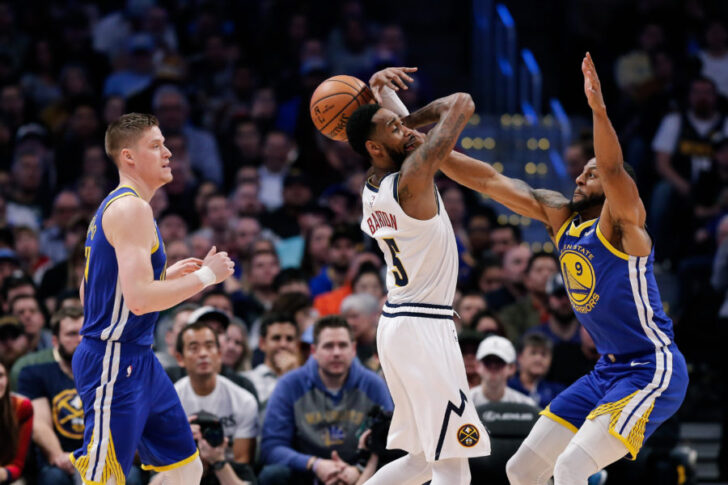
(498, 346)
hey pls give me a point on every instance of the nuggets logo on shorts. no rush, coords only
(468, 435)
(579, 278)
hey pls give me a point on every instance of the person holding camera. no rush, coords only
(309, 432)
(222, 415)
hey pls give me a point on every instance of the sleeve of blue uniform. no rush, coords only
(278, 431)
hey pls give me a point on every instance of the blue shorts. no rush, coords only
(129, 405)
(639, 392)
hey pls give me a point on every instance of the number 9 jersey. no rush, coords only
(421, 256)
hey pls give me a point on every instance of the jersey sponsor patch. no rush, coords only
(468, 435)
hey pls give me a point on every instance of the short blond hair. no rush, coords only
(125, 131)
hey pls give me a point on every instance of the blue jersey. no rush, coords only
(107, 317)
(614, 295)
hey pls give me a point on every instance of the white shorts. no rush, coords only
(425, 373)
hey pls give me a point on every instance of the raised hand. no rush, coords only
(592, 86)
(220, 264)
(392, 77)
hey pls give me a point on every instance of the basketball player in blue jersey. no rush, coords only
(129, 402)
(606, 257)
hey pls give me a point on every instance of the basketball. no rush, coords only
(334, 101)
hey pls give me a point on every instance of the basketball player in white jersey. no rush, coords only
(434, 421)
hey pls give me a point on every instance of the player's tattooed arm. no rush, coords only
(426, 115)
(547, 206)
(416, 179)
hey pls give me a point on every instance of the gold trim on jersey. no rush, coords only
(547, 412)
(563, 228)
(634, 440)
(165, 468)
(609, 246)
(576, 231)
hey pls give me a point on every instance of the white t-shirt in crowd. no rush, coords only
(510, 395)
(236, 407)
(716, 69)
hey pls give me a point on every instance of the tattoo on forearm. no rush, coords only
(549, 198)
(424, 116)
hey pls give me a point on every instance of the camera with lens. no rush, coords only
(377, 420)
(210, 428)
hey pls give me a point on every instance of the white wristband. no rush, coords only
(391, 101)
(206, 276)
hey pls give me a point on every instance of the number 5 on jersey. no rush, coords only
(400, 275)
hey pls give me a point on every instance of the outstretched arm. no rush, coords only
(416, 179)
(547, 206)
(623, 199)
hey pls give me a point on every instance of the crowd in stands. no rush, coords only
(277, 367)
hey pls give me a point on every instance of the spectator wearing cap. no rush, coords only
(172, 109)
(341, 251)
(362, 312)
(205, 390)
(13, 341)
(219, 322)
(296, 195)
(496, 364)
(468, 340)
(139, 73)
(534, 361)
(279, 343)
(272, 172)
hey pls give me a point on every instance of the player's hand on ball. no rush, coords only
(392, 77)
(220, 264)
(183, 267)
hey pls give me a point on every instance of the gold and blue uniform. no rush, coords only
(129, 403)
(641, 378)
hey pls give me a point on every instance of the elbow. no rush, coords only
(466, 100)
(136, 304)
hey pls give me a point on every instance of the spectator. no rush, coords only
(300, 306)
(13, 341)
(479, 225)
(487, 323)
(16, 423)
(52, 238)
(335, 392)
(9, 264)
(683, 148)
(175, 323)
(342, 248)
(216, 219)
(487, 276)
(181, 190)
(15, 285)
(468, 305)
(279, 342)
(28, 310)
(245, 230)
(368, 280)
(234, 347)
(469, 339)
(262, 270)
(515, 262)
(577, 155)
(316, 250)
(246, 200)
(362, 312)
(504, 237)
(496, 364)
(296, 195)
(291, 280)
(172, 109)
(27, 247)
(534, 361)
(203, 390)
(531, 309)
(172, 227)
(138, 73)
(715, 55)
(274, 168)
(562, 328)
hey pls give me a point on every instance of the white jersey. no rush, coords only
(421, 256)
(416, 336)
